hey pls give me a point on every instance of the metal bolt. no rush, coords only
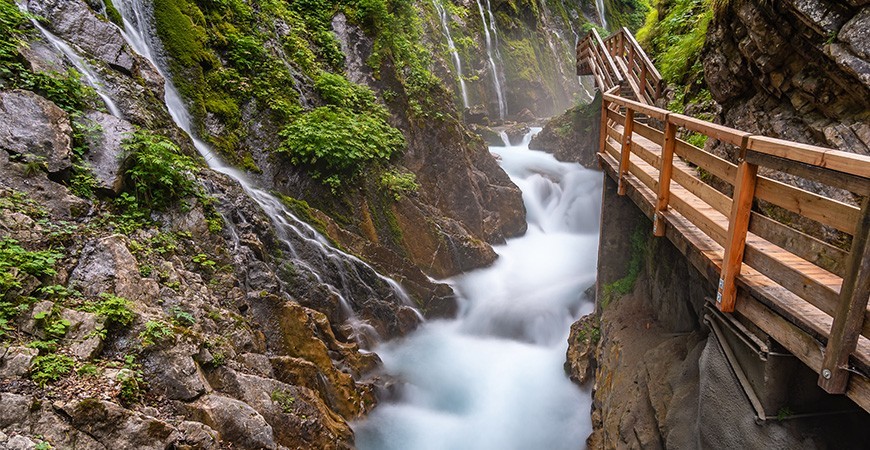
(826, 374)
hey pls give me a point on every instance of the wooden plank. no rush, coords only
(850, 163)
(651, 111)
(626, 149)
(824, 210)
(715, 131)
(713, 164)
(851, 310)
(603, 131)
(803, 245)
(738, 226)
(642, 54)
(851, 183)
(665, 172)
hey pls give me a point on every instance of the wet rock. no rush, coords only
(477, 114)
(303, 419)
(236, 422)
(116, 427)
(195, 435)
(15, 362)
(35, 129)
(82, 336)
(74, 21)
(516, 133)
(104, 150)
(106, 265)
(172, 373)
(582, 343)
(53, 197)
(526, 116)
(855, 34)
(489, 135)
(14, 408)
(573, 136)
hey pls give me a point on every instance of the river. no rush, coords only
(493, 378)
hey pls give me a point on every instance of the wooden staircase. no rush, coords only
(807, 294)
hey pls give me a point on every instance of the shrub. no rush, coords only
(51, 367)
(155, 331)
(399, 184)
(116, 310)
(337, 144)
(156, 169)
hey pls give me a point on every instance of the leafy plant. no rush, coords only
(336, 144)
(115, 309)
(180, 317)
(89, 370)
(284, 399)
(399, 183)
(624, 285)
(158, 172)
(203, 261)
(155, 331)
(51, 367)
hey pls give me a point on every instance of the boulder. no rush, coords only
(104, 150)
(15, 362)
(106, 265)
(516, 133)
(35, 129)
(235, 421)
(116, 427)
(74, 21)
(855, 34)
(14, 409)
(173, 373)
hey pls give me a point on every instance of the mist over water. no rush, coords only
(494, 377)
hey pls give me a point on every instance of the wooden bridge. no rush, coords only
(806, 293)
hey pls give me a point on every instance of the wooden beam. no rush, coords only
(818, 156)
(851, 183)
(665, 172)
(849, 316)
(603, 135)
(738, 225)
(626, 150)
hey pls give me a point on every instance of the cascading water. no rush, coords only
(91, 77)
(344, 268)
(442, 14)
(599, 5)
(494, 377)
(496, 81)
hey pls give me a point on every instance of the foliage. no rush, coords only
(54, 326)
(337, 144)
(50, 367)
(675, 39)
(624, 285)
(116, 310)
(399, 183)
(155, 331)
(156, 169)
(89, 370)
(16, 265)
(203, 261)
(284, 399)
(130, 381)
(589, 333)
(180, 317)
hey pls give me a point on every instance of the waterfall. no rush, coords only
(599, 5)
(496, 82)
(90, 75)
(298, 237)
(493, 378)
(442, 14)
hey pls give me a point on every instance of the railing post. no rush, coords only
(849, 316)
(665, 172)
(627, 130)
(738, 226)
(602, 139)
(643, 72)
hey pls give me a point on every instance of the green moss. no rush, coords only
(626, 13)
(112, 14)
(623, 286)
(303, 212)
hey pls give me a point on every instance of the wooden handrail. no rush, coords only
(745, 259)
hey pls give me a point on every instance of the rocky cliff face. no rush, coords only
(797, 70)
(147, 301)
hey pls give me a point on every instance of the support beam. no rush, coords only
(626, 149)
(849, 316)
(665, 172)
(738, 225)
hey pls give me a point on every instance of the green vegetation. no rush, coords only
(17, 265)
(52, 367)
(626, 13)
(589, 333)
(398, 184)
(115, 310)
(337, 144)
(155, 331)
(180, 317)
(624, 285)
(284, 399)
(159, 173)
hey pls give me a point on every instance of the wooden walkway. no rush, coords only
(808, 295)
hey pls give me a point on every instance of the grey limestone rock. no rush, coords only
(105, 154)
(35, 128)
(15, 362)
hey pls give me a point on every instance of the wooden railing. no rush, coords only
(807, 294)
(619, 61)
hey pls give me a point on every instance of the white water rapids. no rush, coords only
(494, 378)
